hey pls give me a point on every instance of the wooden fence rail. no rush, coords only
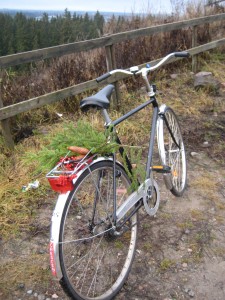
(107, 42)
(35, 55)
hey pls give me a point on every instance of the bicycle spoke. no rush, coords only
(95, 275)
(92, 253)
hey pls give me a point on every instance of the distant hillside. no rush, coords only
(54, 13)
(28, 30)
(38, 29)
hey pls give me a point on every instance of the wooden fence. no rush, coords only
(108, 42)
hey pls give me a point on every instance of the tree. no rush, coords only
(66, 28)
(99, 22)
(22, 33)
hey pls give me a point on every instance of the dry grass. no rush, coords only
(17, 208)
(11, 277)
(207, 186)
(205, 183)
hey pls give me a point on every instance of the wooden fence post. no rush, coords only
(6, 132)
(194, 44)
(111, 64)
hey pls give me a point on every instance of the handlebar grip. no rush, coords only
(181, 54)
(102, 77)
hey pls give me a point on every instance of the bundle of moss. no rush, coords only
(80, 135)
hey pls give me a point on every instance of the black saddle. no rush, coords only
(99, 100)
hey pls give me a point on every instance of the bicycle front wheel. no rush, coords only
(95, 260)
(172, 151)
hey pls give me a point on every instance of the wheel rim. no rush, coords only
(95, 261)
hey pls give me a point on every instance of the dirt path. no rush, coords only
(180, 252)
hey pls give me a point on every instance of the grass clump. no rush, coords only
(166, 264)
(186, 225)
(16, 207)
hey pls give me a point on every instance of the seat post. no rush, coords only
(106, 117)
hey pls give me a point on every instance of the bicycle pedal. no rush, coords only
(161, 169)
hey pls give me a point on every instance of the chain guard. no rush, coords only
(151, 188)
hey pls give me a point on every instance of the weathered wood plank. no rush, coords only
(12, 110)
(37, 102)
(207, 46)
(5, 124)
(194, 44)
(111, 65)
(56, 51)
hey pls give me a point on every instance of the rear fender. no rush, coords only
(56, 223)
(54, 235)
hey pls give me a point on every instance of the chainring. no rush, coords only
(151, 197)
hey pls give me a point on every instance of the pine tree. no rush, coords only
(22, 33)
(99, 21)
(66, 29)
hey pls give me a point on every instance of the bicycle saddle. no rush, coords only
(99, 100)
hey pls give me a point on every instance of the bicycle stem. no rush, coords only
(150, 90)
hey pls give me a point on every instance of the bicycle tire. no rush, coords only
(172, 151)
(95, 268)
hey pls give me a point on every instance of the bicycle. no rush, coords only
(95, 221)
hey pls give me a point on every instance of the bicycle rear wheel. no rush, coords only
(172, 151)
(95, 262)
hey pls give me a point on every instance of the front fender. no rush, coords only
(160, 142)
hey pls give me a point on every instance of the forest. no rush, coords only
(20, 33)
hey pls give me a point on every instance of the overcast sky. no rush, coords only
(137, 6)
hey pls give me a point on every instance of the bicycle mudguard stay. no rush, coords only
(56, 222)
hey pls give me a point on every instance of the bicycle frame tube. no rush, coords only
(132, 112)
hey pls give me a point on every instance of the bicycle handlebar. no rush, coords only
(103, 77)
(145, 70)
(181, 54)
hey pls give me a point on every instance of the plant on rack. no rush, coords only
(84, 140)
(82, 135)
